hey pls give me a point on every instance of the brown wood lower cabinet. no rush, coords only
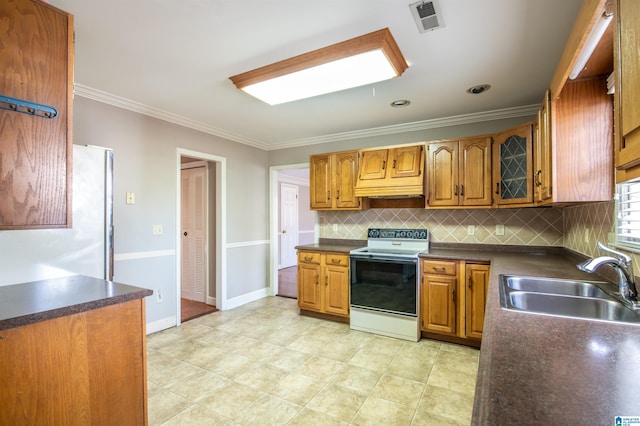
(452, 297)
(87, 368)
(323, 282)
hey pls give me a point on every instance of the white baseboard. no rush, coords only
(211, 301)
(163, 324)
(246, 298)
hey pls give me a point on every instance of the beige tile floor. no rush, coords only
(264, 364)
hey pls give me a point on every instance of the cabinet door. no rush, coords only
(336, 290)
(320, 181)
(542, 158)
(475, 172)
(35, 152)
(443, 173)
(628, 83)
(346, 172)
(513, 182)
(476, 284)
(438, 305)
(405, 161)
(309, 287)
(373, 164)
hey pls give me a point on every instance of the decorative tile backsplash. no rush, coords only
(537, 227)
(578, 228)
(587, 224)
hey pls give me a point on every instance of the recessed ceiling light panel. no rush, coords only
(362, 60)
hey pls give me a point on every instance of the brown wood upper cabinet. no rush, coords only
(512, 166)
(542, 182)
(35, 151)
(396, 171)
(627, 88)
(574, 133)
(332, 178)
(460, 172)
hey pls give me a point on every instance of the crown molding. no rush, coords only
(124, 103)
(456, 120)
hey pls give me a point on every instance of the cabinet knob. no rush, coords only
(185, 233)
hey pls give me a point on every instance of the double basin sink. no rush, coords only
(564, 298)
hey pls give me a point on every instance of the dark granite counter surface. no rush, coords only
(334, 245)
(23, 304)
(537, 369)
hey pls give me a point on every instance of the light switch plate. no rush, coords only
(131, 198)
(471, 230)
(500, 229)
(157, 230)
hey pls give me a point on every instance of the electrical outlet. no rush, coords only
(500, 229)
(159, 298)
(157, 230)
(586, 236)
(335, 227)
(471, 230)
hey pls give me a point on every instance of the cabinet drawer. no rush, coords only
(441, 267)
(308, 257)
(336, 259)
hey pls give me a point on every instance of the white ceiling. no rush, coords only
(172, 59)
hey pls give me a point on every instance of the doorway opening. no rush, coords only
(292, 224)
(201, 236)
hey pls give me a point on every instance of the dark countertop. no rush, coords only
(536, 369)
(335, 246)
(23, 304)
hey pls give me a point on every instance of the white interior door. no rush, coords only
(288, 224)
(193, 282)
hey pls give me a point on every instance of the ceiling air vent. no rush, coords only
(427, 15)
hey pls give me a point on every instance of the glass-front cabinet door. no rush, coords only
(513, 162)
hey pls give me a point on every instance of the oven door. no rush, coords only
(385, 284)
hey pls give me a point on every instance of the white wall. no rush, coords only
(145, 151)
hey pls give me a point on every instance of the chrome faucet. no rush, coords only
(622, 265)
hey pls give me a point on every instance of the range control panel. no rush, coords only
(398, 234)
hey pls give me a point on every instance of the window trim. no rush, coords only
(622, 200)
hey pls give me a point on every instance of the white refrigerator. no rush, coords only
(87, 247)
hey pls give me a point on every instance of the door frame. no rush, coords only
(274, 232)
(220, 225)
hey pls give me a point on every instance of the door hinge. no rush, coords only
(550, 190)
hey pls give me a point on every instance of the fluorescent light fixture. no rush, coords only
(362, 60)
(595, 35)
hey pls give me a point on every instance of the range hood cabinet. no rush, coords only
(396, 172)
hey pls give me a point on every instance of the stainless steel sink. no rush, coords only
(563, 298)
(557, 286)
